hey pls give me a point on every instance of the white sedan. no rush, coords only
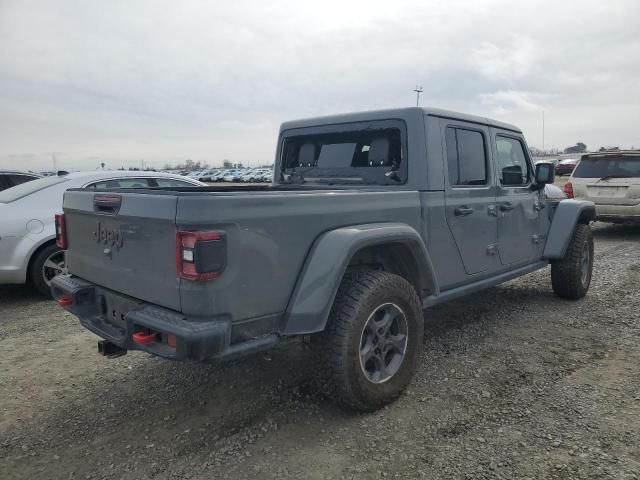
(28, 251)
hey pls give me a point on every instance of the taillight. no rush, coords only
(200, 256)
(61, 231)
(568, 189)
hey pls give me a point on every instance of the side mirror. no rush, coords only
(545, 174)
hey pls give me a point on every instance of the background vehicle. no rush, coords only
(611, 180)
(565, 167)
(195, 174)
(11, 178)
(267, 176)
(249, 176)
(233, 176)
(27, 233)
(372, 217)
(207, 175)
(255, 175)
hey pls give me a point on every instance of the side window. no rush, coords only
(512, 162)
(172, 182)
(120, 183)
(466, 157)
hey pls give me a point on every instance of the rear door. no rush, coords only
(519, 206)
(470, 195)
(124, 242)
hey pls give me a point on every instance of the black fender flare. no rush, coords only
(327, 261)
(567, 215)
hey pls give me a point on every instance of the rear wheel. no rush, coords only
(571, 277)
(47, 263)
(373, 340)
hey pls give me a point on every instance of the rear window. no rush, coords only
(121, 183)
(19, 179)
(14, 193)
(370, 154)
(620, 166)
(173, 182)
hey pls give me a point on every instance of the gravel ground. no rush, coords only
(514, 383)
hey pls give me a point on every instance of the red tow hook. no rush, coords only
(142, 338)
(64, 301)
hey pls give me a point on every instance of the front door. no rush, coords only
(520, 207)
(470, 195)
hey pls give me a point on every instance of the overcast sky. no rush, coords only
(161, 81)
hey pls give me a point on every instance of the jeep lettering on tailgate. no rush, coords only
(111, 237)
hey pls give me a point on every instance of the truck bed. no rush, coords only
(269, 231)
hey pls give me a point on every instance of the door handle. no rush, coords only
(463, 211)
(506, 206)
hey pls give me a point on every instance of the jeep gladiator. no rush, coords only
(371, 218)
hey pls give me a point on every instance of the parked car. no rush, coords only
(251, 176)
(27, 233)
(267, 176)
(372, 217)
(195, 174)
(219, 177)
(248, 176)
(612, 181)
(233, 176)
(207, 175)
(565, 167)
(11, 178)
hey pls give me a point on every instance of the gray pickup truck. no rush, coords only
(371, 218)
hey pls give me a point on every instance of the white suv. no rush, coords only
(611, 180)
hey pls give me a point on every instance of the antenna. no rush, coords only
(418, 91)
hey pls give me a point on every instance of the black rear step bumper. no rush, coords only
(116, 317)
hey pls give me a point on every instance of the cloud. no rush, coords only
(164, 80)
(505, 100)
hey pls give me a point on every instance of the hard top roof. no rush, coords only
(394, 113)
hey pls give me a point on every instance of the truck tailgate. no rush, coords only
(124, 242)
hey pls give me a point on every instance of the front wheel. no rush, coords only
(373, 340)
(571, 277)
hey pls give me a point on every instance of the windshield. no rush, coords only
(608, 166)
(14, 193)
(353, 155)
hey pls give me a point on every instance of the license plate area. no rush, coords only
(611, 192)
(114, 309)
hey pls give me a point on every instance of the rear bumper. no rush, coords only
(618, 213)
(117, 318)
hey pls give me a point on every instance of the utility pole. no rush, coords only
(418, 91)
(543, 130)
(53, 157)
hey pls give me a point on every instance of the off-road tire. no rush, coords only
(338, 347)
(35, 268)
(568, 277)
